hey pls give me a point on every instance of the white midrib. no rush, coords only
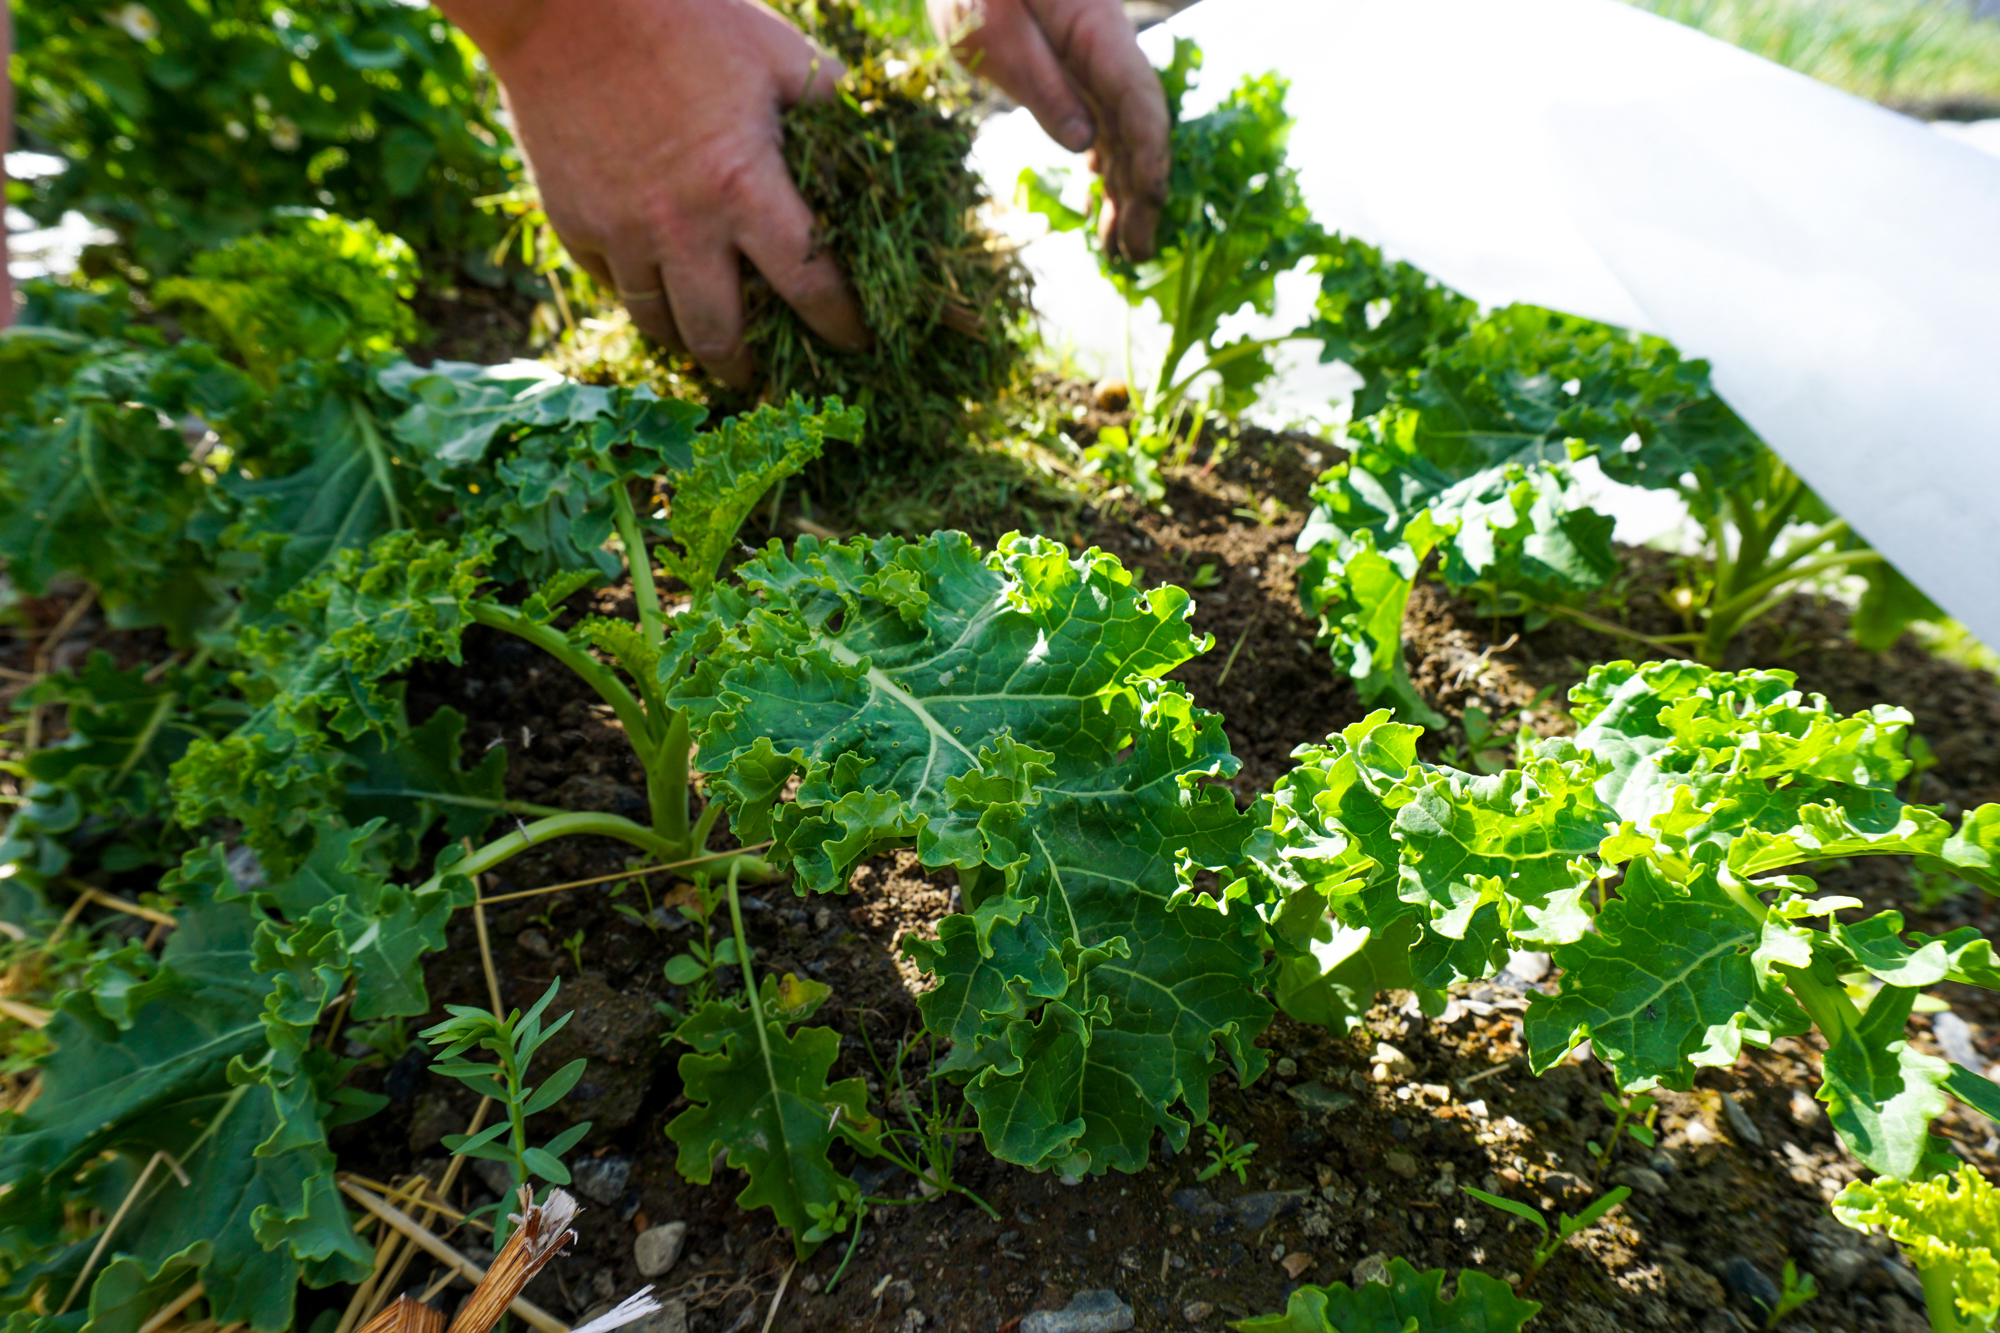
(938, 732)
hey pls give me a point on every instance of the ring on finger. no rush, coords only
(654, 295)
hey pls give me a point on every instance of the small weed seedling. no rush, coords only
(926, 1148)
(513, 1042)
(1566, 1226)
(1225, 1156)
(1797, 1291)
(695, 967)
(1636, 1115)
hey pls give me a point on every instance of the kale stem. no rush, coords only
(750, 979)
(595, 674)
(698, 839)
(667, 783)
(639, 560)
(1941, 1300)
(1833, 1013)
(558, 826)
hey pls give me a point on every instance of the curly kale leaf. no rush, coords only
(97, 480)
(1949, 1225)
(734, 466)
(1368, 867)
(1470, 456)
(1004, 714)
(1360, 836)
(307, 288)
(764, 1099)
(532, 455)
(1383, 318)
(208, 1061)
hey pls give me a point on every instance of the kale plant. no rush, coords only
(1705, 797)
(1463, 459)
(1234, 221)
(185, 124)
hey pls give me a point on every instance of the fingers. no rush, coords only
(805, 72)
(1006, 45)
(1099, 52)
(636, 279)
(777, 236)
(705, 296)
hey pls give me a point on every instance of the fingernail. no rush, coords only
(1076, 133)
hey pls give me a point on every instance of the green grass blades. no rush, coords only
(1949, 1225)
(1407, 1301)
(1917, 55)
(882, 165)
(760, 1094)
(977, 706)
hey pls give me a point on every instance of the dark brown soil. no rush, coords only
(1367, 1156)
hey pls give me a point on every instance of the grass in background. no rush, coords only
(1924, 56)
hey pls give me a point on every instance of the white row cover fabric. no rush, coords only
(1837, 263)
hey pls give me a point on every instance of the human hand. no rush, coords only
(1076, 65)
(653, 127)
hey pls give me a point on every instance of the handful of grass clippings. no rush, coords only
(883, 167)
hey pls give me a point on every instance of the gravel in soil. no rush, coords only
(1363, 1140)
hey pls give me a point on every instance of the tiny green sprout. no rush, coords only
(1224, 1156)
(1797, 1291)
(1635, 1116)
(1205, 576)
(1566, 1225)
(574, 945)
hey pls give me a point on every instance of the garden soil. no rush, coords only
(1363, 1140)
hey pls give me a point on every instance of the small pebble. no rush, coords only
(536, 943)
(1257, 1211)
(1196, 1311)
(1401, 1163)
(1286, 1067)
(1957, 1039)
(659, 1248)
(1562, 1182)
(1198, 1202)
(1740, 1123)
(1296, 1263)
(1643, 1180)
(1375, 1268)
(1393, 1059)
(671, 1317)
(1529, 966)
(1805, 1109)
(1749, 1284)
(1843, 1268)
(602, 1179)
(1698, 1133)
(1098, 1311)
(1316, 1096)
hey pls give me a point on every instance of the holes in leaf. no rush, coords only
(835, 621)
